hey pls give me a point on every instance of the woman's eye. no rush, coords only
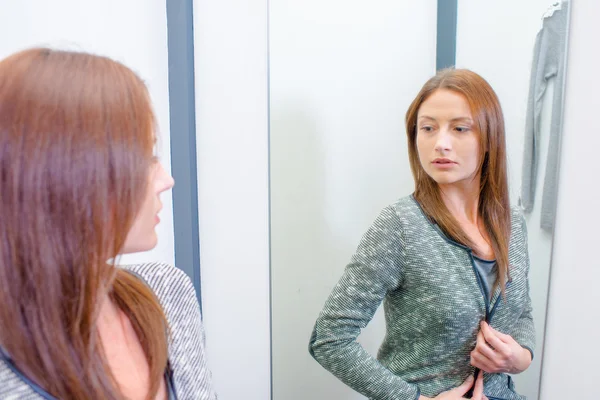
(462, 129)
(426, 128)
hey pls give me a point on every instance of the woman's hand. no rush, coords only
(496, 352)
(458, 392)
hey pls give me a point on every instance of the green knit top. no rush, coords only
(433, 303)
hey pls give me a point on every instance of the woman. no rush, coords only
(450, 263)
(79, 186)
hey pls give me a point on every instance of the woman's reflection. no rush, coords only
(450, 263)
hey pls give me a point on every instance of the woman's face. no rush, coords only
(447, 142)
(142, 236)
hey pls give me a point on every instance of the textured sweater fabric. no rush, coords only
(433, 303)
(548, 64)
(191, 377)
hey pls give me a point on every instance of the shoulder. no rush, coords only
(517, 214)
(157, 273)
(405, 204)
(168, 282)
(407, 214)
(517, 220)
(390, 218)
(404, 210)
(518, 231)
(397, 221)
(174, 290)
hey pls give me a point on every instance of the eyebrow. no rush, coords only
(467, 119)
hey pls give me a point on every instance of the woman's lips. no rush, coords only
(443, 163)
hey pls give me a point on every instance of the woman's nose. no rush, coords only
(444, 141)
(170, 182)
(165, 180)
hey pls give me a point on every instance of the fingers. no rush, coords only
(464, 387)
(478, 390)
(507, 339)
(483, 356)
(491, 336)
(483, 363)
(483, 347)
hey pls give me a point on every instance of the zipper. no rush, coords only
(488, 313)
(495, 305)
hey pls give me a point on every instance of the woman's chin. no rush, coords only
(442, 179)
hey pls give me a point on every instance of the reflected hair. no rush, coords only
(494, 203)
(76, 150)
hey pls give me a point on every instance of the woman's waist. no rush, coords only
(433, 378)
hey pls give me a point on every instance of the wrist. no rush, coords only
(524, 360)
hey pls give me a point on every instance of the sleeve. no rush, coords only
(524, 330)
(544, 67)
(550, 190)
(187, 350)
(374, 270)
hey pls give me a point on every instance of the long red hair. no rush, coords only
(76, 148)
(494, 203)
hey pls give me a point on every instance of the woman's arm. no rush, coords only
(375, 269)
(524, 330)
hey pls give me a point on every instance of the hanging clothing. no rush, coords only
(548, 63)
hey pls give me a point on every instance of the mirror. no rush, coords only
(342, 76)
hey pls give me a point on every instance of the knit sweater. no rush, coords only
(433, 303)
(191, 377)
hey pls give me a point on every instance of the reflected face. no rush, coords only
(142, 236)
(447, 142)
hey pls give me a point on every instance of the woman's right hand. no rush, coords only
(458, 392)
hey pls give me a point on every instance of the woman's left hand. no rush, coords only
(497, 352)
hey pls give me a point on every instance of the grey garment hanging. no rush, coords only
(548, 63)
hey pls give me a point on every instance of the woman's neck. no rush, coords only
(462, 200)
